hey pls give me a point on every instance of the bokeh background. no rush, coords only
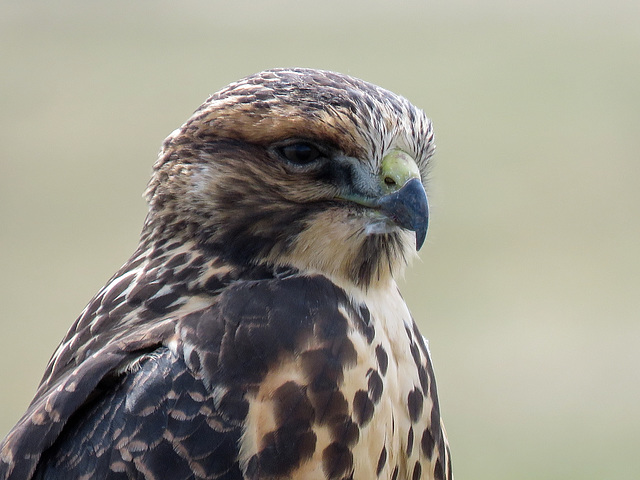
(528, 285)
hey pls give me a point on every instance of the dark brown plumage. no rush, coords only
(257, 331)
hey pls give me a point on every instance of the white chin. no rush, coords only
(380, 226)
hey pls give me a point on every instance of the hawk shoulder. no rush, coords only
(279, 378)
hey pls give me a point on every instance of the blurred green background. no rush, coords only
(528, 285)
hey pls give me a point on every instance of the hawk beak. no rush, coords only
(408, 208)
(406, 202)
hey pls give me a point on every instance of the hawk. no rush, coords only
(257, 332)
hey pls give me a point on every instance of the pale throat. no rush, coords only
(332, 247)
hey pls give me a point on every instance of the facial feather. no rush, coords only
(220, 179)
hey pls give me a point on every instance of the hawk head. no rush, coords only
(298, 168)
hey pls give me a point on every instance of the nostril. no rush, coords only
(389, 181)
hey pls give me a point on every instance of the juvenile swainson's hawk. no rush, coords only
(257, 332)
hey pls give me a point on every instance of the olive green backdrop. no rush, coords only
(528, 284)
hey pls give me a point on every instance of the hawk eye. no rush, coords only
(301, 153)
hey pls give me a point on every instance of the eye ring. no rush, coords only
(300, 153)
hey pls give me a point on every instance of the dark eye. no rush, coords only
(301, 153)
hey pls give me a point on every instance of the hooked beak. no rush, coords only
(400, 199)
(404, 201)
(408, 208)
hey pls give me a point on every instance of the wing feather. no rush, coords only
(142, 413)
(156, 420)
